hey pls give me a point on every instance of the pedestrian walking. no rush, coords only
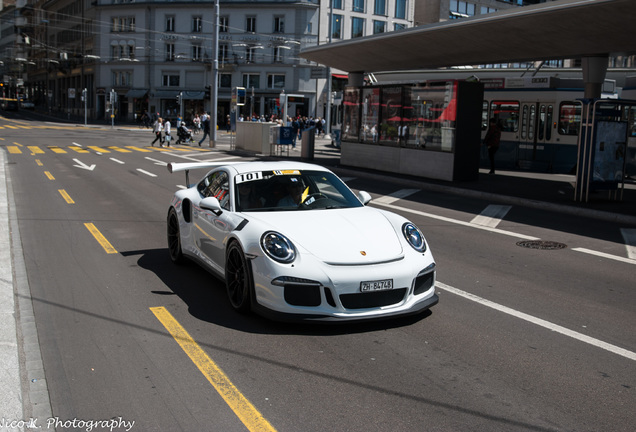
(157, 127)
(205, 122)
(167, 129)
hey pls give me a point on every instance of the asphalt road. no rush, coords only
(523, 339)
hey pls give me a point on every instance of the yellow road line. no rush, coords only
(35, 150)
(121, 150)
(79, 149)
(56, 149)
(100, 238)
(66, 196)
(99, 149)
(39, 162)
(243, 408)
(49, 175)
(14, 150)
(139, 149)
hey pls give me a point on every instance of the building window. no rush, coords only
(487, 10)
(379, 27)
(223, 24)
(358, 6)
(397, 26)
(197, 53)
(122, 78)
(169, 23)
(336, 26)
(400, 9)
(223, 53)
(336, 4)
(276, 81)
(225, 80)
(380, 7)
(197, 24)
(122, 24)
(279, 24)
(250, 54)
(357, 27)
(250, 24)
(169, 52)
(122, 51)
(278, 54)
(461, 9)
(251, 80)
(170, 80)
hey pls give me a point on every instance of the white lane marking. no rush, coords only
(629, 235)
(491, 216)
(157, 161)
(78, 145)
(82, 165)
(146, 172)
(540, 322)
(118, 161)
(606, 255)
(395, 196)
(456, 221)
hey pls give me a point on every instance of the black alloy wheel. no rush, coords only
(238, 278)
(174, 237)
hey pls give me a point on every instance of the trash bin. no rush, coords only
(309, 139)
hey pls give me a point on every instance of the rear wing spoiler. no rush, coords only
(187, 166)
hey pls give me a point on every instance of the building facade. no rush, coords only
(123, 58)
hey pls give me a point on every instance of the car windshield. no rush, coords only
(289, 190)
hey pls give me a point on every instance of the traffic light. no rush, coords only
(179, 98)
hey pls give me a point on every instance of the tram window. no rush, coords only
(484, 116)
(531, 122)
(524, 122)
(507, 112)
(569, 118)
(549, 119)
(542, 114)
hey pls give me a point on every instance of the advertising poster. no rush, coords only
(609, 153)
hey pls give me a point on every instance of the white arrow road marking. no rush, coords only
(157, 161)
(540, 322)
(629, 235)
(82, 165)
(118, 161)
(146, 172)
(395, 196)
(491, 216)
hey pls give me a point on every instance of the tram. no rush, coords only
(540, 119)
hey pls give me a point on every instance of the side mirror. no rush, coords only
(212, 204)
(364, 197)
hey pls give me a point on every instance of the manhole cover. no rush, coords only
(541, 244)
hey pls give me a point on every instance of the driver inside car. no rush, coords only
(295, 192)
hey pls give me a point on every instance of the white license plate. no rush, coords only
(379, 285)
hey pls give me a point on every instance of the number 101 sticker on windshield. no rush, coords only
(379, 285)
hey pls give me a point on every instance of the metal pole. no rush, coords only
(214, 87)
(84, 96)
(328, 113)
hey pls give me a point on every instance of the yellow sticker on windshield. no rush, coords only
(286, 172)
(305, 193)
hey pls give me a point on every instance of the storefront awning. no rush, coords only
(166, 94)
(341, 76)
(199, 95)
(136, 94)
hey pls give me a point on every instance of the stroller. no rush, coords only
(184, 135)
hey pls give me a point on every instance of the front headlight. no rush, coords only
(414, 236)
(278, 247)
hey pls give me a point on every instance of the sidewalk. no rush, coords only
(552, 192)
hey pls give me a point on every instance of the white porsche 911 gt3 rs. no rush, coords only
(293, 242)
